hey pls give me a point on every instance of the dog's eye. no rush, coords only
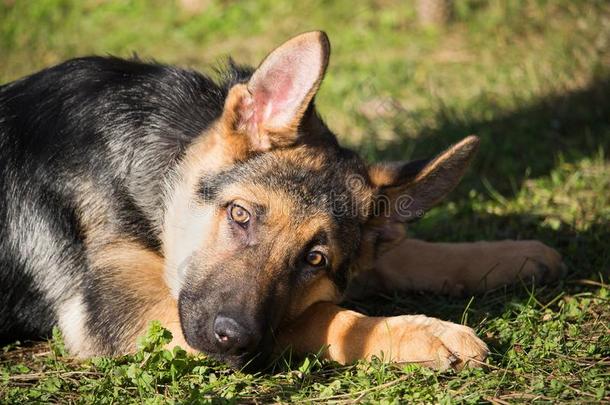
(315, 259)
(239, 214)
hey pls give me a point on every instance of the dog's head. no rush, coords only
(271, 215)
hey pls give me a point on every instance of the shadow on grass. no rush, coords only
(525, 142)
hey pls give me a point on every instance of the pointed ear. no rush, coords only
(269, 108)
(405, 192)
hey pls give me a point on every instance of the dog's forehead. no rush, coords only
(313, 179)
(334, 182)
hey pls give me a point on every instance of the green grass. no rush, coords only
(532, 78)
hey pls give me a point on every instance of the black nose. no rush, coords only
(232, 337)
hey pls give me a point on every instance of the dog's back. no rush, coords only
(85, 146)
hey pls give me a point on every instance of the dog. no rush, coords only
(227, 210)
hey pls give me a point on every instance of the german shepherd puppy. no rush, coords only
(132, 192)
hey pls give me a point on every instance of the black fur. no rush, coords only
(117, 125)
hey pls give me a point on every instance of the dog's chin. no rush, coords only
(248, 362)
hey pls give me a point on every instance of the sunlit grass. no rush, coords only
(531, 78)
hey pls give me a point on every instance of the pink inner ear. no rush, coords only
(282, 90)
(269, 102)
(286, 80)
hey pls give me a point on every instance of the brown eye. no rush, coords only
(239, 214)
(315, 259)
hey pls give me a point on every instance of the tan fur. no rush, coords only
(347, 336)
(141, 272)
(458, 268)
(384, 174)
(320, 290)
(238, 134)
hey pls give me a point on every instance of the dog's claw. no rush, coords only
(453, 360)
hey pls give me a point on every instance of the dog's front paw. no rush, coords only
(429, 342)
(466, 348)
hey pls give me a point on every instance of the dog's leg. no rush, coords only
(125, 291)
(458, 268)
(346, 336)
